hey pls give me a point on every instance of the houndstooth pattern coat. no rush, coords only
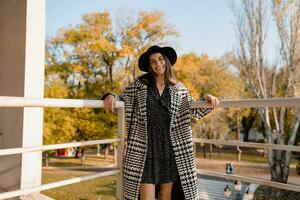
(135, 96)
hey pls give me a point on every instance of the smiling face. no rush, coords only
(157, 64)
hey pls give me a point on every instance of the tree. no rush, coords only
(262, 80)
(86, 60)
(137, 34)
(201, 75)
(88, 52)
(198, 73)
(79, 64)
(248, 123)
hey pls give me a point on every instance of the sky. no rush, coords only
(205, 26)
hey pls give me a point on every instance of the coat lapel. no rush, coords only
(175, 103)
(142, 99)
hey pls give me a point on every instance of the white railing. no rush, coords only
(248, 144)
(52, 102)
(11, 151)
(48, 186)
(257, 103)
(73, 103)
(284, 186)
(246, 103)
(66, 103)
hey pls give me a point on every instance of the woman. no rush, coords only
(159, 153)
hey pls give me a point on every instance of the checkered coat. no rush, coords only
(180, 134)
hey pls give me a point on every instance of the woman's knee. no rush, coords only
(165, 191)
(147, 191)
(164, 195)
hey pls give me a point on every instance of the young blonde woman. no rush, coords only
(159, 159)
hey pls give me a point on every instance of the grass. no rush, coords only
(264, 193)
(74, 162)
(233, 156)
(103, 188)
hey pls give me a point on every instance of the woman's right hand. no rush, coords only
(109, 103)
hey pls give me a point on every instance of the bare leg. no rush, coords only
(147, 191)
(165, 191)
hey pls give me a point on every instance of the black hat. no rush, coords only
(167, 51)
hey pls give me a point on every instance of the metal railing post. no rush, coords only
(120, 151)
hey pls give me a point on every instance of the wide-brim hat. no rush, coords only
(144, 61)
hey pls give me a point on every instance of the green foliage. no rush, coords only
(89, 59)
(59, 126)
(79, 65)
(85, 61)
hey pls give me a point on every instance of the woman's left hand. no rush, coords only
(212, 100)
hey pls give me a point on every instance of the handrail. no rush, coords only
(48, 186)
(6, 101)
(257, 103)
(63, 103)
(246, 179)
(248, 144)
(78, 103)
(12, 151)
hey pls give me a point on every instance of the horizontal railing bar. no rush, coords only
(255, 103)
(12, 151)
(51, 102)
(249, 144)
(284, 186)
(6, 101)
(48, 186)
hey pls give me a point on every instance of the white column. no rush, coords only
(22, 50)
(31, 171)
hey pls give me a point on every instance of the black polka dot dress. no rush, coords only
(160, 166)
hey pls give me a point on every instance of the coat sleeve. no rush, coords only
(126, 95)
(130, 99)
(197, 113)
